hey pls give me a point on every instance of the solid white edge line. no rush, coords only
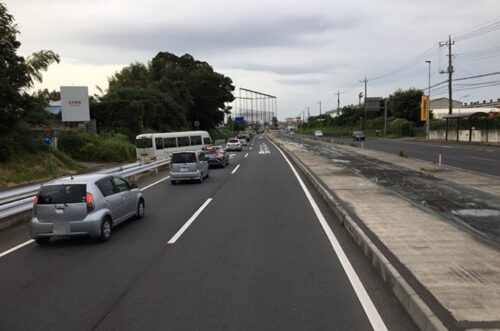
(188, 223)
(153, 184)
(367, 304)
(246, 154)
(16, 247)
(232, 172)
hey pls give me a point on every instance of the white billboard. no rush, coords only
(75, 104)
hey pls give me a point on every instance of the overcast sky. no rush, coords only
(300, 51)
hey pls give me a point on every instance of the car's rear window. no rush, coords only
(55, 194)
(184, 158)
(233, 140)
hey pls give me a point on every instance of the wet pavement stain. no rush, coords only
(474, 211)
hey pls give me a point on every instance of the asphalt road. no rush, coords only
(255, 258)
(483, 159)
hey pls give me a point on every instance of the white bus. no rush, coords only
(155, 146)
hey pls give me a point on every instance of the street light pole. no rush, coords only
(428, 122)
(362, 117)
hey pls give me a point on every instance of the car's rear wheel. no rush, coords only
(141, 209)
(42, 240)
(106, 229)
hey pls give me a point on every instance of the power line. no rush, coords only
(490, 26)
(419, 58)
(478, 76)
(486, 51)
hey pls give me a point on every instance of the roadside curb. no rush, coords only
(419, 311)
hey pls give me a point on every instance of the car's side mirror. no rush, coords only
(133, 186)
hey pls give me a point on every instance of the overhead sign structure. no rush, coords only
(75, 104)
(424, 108)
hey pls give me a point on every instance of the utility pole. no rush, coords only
(319, 108)
(428, 122)
(364, 108)
(338, 102)
(308, 113)
(449, 43)
(365, 81)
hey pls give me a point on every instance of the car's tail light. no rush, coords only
(89, 199)
(35, 203)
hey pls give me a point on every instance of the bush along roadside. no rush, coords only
(85, 146)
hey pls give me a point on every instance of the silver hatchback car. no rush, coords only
(188, 165)
(84, 205)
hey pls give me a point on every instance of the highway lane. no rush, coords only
(254, 258)
(483, 159)
(75, 281)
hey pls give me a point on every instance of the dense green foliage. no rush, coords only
(222, 133)
(403, 115)
(86, 146)
(169, 93)
(18, 108)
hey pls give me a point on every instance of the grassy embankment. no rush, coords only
(30, 161)
(36, 167)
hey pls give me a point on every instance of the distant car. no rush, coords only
(234, 144)
(358, 136)
(318, 134)
(244, 135)
(217, 156)
(84, 205)
(188, 165)
(243, 142)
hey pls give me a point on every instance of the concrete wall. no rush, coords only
(486, 136)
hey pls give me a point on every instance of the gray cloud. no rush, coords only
(293, 81)
(297, 31)
(300, 51)
(282, 69)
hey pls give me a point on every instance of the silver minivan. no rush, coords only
(84, 205)
(187, 166)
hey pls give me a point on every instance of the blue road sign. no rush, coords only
(47, 140)
(239, 120)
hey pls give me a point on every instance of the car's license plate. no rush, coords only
(61, 228)
(184, 169)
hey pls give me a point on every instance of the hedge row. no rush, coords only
(87, 146)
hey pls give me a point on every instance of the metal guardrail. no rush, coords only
(19, 200)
